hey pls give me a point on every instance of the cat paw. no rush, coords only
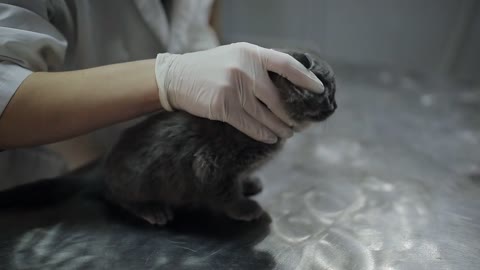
(155, 214)
(245, 210)
(251, 186)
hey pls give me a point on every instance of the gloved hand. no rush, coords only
(231, 84)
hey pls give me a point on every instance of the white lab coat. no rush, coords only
(55, 35)
(52, 35)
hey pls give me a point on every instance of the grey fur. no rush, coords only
(174, 160)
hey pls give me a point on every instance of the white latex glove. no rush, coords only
(231, 84)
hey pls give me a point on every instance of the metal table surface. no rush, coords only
(391, 181)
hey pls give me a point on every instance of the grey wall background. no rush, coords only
(430, 36)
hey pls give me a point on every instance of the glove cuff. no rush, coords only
(162, 65)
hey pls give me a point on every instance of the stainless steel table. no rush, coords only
(392, 181)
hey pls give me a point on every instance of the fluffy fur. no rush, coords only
(174, 160)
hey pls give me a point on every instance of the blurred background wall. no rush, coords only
(436, 37)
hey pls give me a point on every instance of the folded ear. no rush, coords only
(312, 60)
(323, 71)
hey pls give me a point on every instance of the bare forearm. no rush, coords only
(50, 107)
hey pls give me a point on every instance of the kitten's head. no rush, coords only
(303, 105)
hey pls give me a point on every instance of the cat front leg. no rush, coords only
(224, 188)
(226, 196)
(251, 185)
(235, 204)
(244, 209)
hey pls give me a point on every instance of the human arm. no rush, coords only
(38, 46)
(51, 106)
(228, 83)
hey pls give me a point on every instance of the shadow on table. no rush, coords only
(77, 229)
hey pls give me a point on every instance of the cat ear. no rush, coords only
(324, 72)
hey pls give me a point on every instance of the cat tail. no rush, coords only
(54, 190)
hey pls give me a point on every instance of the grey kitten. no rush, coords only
(174, 160)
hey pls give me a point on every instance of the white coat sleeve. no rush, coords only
(201, 34)
(190, 26)
(28, 43)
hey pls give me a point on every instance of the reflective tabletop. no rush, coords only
(391, 181)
